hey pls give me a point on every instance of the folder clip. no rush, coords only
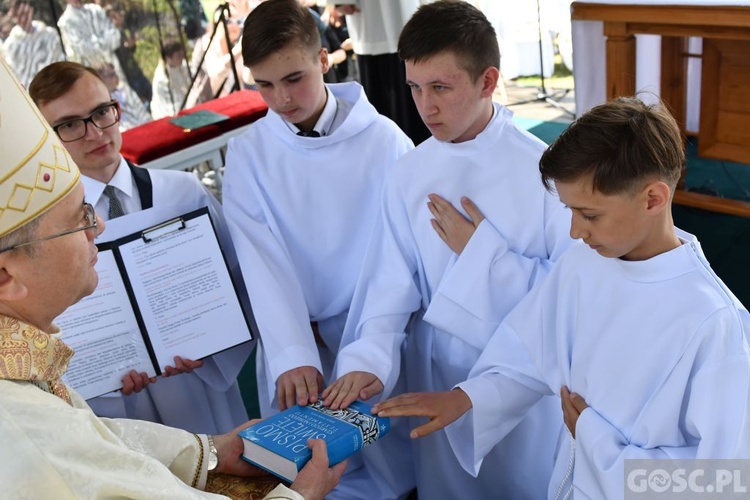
(163, 229)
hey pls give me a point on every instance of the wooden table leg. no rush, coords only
(620, 60)
(674, 76)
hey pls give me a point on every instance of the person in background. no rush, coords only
(132, 110)
(172, 81)
(126, 52)
(220, 55)
(374, 27)
(329, 41)
(89, 36)
(31, 45)
(192, 18)
(346, 71)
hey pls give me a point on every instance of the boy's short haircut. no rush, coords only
(56, 79)
(455, 26)
(275, 24)
(621, 144)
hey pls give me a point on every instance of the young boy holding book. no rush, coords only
(301, 195)
(449, 298)
(643, 343)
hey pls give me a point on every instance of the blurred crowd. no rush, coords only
(156, 65)
(192, 58)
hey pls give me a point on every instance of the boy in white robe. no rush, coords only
(301, 194)
(643, 343)
(208, 399)
(450, 296)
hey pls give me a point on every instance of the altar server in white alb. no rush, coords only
(450, 296)
(76, 102)
(644, 345)
(301, 195)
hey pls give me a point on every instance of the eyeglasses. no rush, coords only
(89, 222)
(103, 117)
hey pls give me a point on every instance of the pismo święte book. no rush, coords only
(278, 444)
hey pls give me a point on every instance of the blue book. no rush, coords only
(278, 444)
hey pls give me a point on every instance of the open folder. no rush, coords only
(164, 291)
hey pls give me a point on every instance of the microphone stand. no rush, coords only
(224, 13)
(543, 95)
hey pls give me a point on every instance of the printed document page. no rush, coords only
(103, 330)
(184, 291)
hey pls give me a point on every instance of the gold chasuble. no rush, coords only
(29, 354)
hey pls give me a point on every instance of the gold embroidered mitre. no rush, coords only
(36, 171)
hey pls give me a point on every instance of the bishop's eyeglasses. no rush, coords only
(89, 222)
(103, 117)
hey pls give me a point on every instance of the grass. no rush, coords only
(562, 78)
(553, 82)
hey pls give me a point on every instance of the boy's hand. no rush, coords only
(299, 386)
(135, 382)
(181, 365)
(572, 406)
(350, 387)
(442, 408)
(316, 480)
(452, 227)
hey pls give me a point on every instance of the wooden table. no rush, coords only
(725, 80)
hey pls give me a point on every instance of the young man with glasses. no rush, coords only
(77, 104)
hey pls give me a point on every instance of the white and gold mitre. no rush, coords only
(35, 169)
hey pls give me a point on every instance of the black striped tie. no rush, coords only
(115, 207)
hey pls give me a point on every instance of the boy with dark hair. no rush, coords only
(301, 194)
(450, 295)
(650, 340)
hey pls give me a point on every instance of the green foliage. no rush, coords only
(148, 52)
